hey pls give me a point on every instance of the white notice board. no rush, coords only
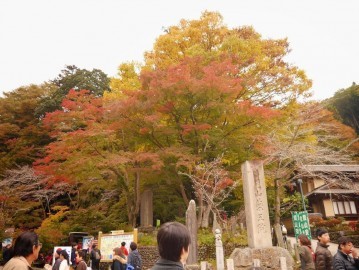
(107, 242)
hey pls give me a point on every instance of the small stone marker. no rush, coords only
(256, 263)
(219, 250)
(203, 265)
(256, 205)
(230, 264)
(283, 263)
(191, 223)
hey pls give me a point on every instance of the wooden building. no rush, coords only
(333, 190)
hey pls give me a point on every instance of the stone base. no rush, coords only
(269, 258)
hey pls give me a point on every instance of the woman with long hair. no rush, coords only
(306, 253)
(65, 263)
(119, 260)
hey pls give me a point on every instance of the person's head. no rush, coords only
(304, 240)
(173, 241)
(117, 251)
(94, 246)
(57, 253)
(322, 236)
(123, 244)
(74, 245)
(133, 246)
(64, 256)
(345, 245)
(27, 245)
(80, 255)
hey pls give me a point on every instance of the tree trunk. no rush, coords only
(277, 201)
(184, 195)
(200, 207)
(205, 217)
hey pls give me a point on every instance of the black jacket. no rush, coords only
(323, 258)
(342, 261)
(163, 264)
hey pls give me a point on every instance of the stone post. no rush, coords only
(146, 215)
(191, 223)
(256, 205)
(219, 250)
(283, 263)
(230, 264)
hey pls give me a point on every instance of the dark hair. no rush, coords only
(65, 255)
(320, 232)
(133, 246)
(304, 240)
(94, 245)
(123, 244)
(343, 240)
(24, 244)
(172, 237)
(81, 254)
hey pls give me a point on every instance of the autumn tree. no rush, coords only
(345, 104)
(212, 186)
(265, 76)
(23, 192)
(72, 77)
(307, 134)
(127, 78)
(21, 136)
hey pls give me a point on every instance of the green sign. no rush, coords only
(301, 224)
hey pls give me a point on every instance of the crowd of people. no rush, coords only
(173, 240)
(346, 258)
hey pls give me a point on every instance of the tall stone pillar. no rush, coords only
(146, 218)
(256, 205)
(191, 223)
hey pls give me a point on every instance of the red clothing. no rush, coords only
(124, 250)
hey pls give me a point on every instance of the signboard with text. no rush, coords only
(301, 224)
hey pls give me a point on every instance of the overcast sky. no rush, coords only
(39, 37)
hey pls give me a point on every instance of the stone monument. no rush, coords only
(256, 205)
(191, 223)
(260, 251)
(146, 218)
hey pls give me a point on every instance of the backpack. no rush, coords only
(312, 252)
(136, 262)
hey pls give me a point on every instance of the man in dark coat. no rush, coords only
(342, 260)
(323, 257)
(173, 241)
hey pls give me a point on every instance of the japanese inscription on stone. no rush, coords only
(256, 206)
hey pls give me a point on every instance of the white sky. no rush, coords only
(39, 37)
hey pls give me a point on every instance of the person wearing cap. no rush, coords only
(342, 259)
(323, 257)
(57, 262)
